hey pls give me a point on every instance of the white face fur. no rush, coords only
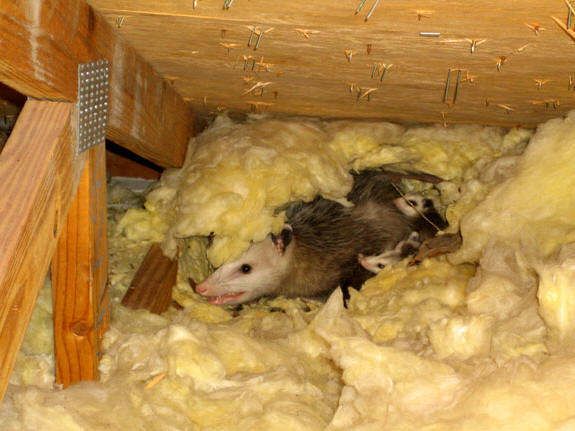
(258, 272)
(413, 205)
(376, 263)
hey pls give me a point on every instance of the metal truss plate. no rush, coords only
(92, 103)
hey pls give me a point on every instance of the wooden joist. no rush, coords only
(79, 277)
(42, 42)
(119, 165)
(323, 59)
(40, 172)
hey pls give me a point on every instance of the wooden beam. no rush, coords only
(202, 50)
(80, 276)
(152, 285)
(40, 171)
(122, 165)
(43, 42)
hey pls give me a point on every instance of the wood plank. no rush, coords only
(80, 278)
(311, 76)
(120, 165)
(40, 59)
(152, 285)
(40, 172)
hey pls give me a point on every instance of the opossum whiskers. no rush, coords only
(397, 189)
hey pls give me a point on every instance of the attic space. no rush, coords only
(351, 215)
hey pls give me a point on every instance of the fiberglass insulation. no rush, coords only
(236, 176)
(482, 339)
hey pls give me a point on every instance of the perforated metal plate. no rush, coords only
(92, 103)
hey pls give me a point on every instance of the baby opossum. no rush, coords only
(376, 186)
(425, 220)
(403, 249)
(422, 213)
(315, 253)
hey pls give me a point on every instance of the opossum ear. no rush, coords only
(436, 219)
(282, 240)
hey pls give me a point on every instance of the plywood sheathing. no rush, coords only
(40, 171)
(42, 42)
(201, 51)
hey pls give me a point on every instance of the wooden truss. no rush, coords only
(52, 200)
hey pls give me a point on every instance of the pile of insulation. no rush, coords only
(480, 339)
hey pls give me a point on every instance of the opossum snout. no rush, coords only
(201, 289)
(218, 295)
(209, 287)
(206, 288)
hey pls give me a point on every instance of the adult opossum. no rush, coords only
(318, 250)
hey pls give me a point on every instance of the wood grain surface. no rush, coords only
(40, 171)
(42, 42)
(151, 288)
(80, 277)
(302, 57)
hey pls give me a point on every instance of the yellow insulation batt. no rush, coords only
(479, 340)
(237, 176)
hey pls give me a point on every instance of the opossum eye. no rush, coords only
(412, 202)
(427, 203)
(245, 268)
(381, 265)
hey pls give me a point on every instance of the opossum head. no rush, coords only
(376, 263)
(258, 272)
(413, 206)
(403, 249)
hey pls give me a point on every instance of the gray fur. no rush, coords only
(329, 238)
(372, 186)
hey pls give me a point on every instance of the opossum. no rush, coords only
(372, 186)
(318, 249)
(425, 221)
(403, 249)
(375, 185)
(315, 253)
(424, 217)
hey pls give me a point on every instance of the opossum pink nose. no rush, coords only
(201, 289)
